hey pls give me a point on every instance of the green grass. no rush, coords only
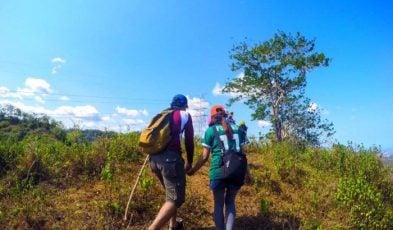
(51, 183)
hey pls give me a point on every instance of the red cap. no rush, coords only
(217, 109)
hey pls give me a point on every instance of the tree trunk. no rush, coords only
(277, 124)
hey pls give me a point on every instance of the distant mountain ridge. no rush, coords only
(388, 159)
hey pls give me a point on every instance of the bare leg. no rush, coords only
(166, 213)
(172, 221)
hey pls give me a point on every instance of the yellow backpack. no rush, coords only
(156, 137)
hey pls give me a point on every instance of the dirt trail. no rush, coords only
(246, 210)
(82, 207)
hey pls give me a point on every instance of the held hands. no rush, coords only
(189, 169)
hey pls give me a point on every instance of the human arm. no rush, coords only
(189, 142)
(201, 161)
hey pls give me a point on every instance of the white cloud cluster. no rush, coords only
(133, 121)
(64, 98)
(4, 91)
(35, 88)
(217, 90)
(131, 112)
(264, 124)
(36, 85)
(86, 112)
(86, 116)
(58, 63)
(314, 107)
(58, 60)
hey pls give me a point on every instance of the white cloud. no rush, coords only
(133, 121)
(55, 69)
(4, 91)
(26, 108)
(313, 107)
(36, 85)
(197, 106)
(240, 75)
(39, 99)
(85, 112)
(263, 124)
(58, 61)
(217, 90)
(64, 98)
(84, 116)
(131, 112)
(106, 118)
(198, 109)
(35, 88)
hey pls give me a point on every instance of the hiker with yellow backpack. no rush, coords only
(162, 141)
(228, 168)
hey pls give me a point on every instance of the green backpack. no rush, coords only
(156, 137)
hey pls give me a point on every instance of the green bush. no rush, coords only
(264, 207)
(365, 204)
(125, 147)
(288, 159)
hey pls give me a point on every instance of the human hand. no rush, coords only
(190, 171)
(188, 167)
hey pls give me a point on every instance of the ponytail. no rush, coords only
(220, 119)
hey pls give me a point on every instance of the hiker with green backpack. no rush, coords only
(228, 168)
(162, 141)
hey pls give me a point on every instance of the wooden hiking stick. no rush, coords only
(133, 189)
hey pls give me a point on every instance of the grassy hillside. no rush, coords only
(47, 182)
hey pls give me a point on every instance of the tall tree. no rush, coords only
(273, 84)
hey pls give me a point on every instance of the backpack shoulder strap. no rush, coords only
(218, 139)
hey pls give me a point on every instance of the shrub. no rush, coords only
(124, 147)
(288, 159)
(365, 204)
(264, 207)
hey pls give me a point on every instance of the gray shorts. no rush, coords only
(169, 168)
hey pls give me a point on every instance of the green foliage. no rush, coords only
(125, 147)
(295, 184)
(16, 123)
(365, 186)
(264, 207)
(116, 209)
(366, 207)
(146, 182)
(312, 224)
(288, 161)
(106, 173)
(274, 82)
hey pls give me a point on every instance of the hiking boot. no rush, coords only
(179, 225)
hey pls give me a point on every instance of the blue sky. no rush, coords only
(114, 64)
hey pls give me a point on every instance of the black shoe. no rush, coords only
(179, 224)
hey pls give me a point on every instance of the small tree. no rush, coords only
(274, 83)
